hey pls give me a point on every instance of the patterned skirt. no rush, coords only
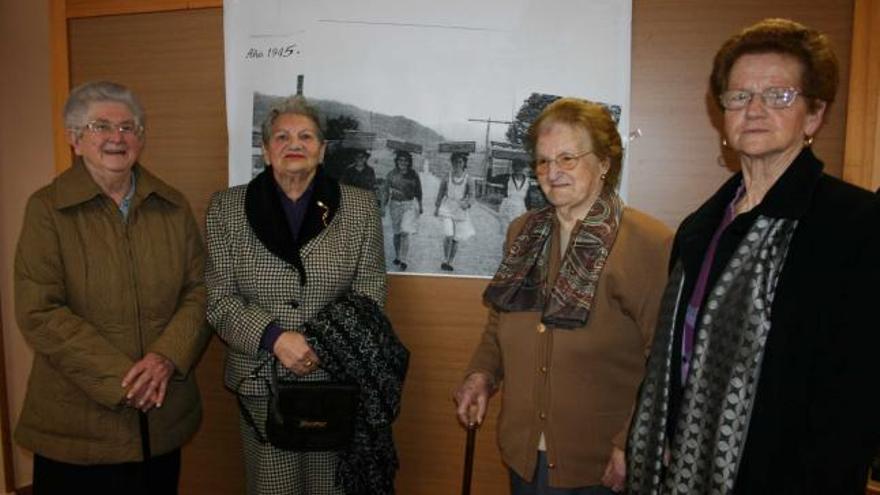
(273, 471)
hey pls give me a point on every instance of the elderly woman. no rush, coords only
(761, 375)
(404, 196)
(296, 278)
(110, 295)
(453, 201)
(573, 307)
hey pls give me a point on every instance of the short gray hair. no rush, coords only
(294, 105)
(81, 97)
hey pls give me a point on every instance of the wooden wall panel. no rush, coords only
(863, 122)
(440, 320)
(92, 8)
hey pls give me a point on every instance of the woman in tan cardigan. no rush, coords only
(573, 306)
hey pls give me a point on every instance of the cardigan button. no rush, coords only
(551, 465)
(542, 415)
(293, 303)
(541, 328)
(543, 369)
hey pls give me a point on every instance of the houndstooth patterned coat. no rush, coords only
(256, 274)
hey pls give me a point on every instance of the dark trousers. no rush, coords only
(540, 483)
(158, 476)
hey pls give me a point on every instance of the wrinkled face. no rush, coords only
(758, 131)
(575, 188)
(105, 149)
(294, 147)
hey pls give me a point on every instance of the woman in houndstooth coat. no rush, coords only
(282, 248)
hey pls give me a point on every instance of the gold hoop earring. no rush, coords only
(808, 141)
(724, 142)
(604, 176)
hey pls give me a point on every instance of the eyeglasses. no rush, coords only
(737, 99)
(105, 128)
(565, 161)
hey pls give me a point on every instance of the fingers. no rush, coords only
(160, 395)
(132, 374)
(306, 365)
(146, 382)
(614, 476)
(295, 354)
(478, 413)
(472, 399)
(463, 403)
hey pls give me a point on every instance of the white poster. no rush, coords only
(429, 81)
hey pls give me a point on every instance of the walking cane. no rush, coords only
(468, 459)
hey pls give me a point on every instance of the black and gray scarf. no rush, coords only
(717, 401)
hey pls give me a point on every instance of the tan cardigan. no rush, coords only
(578, 386)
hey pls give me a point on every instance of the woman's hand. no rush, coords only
(472, 398)
(147, 381)
(615, 471)
(295, 353)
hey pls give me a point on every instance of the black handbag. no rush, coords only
(309, 416)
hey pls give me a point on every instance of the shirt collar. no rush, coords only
(76, 186)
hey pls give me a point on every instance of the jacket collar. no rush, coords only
(76, 186)
(789, 197)
(266, 216)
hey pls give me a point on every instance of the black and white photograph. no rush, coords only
(432, 117)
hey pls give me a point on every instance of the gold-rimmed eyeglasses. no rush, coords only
(565, 161)
(737, 99)
(105, 128)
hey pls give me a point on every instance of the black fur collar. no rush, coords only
(266, 216)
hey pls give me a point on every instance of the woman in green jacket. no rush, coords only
(109, 293)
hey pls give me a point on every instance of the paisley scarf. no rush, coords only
(519, 283)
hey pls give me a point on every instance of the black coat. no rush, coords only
(816, 416)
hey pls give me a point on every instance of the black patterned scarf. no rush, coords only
(711, 426)
(356, 343)
(519, 283)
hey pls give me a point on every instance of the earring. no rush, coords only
(604, 175)
(808, 141)
(724, 142)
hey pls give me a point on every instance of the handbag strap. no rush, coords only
(272, 385)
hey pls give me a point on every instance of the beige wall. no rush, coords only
(25, 164)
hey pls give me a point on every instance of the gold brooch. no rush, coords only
(325, 214)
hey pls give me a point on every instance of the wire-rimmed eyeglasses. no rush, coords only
(565, 161)
(737, 99)
(106, 128)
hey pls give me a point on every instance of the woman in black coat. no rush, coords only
(760, 377)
